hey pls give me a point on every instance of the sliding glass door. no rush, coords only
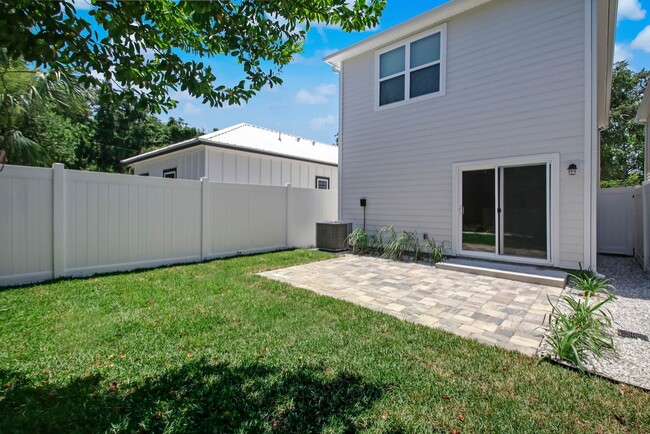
(505, 211)
(524, 211)
(479, 211)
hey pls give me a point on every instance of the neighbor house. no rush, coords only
(244, 154)
(643, 117)
(477, 123)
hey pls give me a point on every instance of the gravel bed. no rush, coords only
(631, 312)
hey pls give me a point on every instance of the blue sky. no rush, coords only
(307, 103)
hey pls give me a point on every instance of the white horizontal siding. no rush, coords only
(515, 86)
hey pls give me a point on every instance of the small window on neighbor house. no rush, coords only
(169, 173)
(413, 69)
(322, 183)
(144, 174)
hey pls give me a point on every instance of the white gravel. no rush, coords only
(631, 312)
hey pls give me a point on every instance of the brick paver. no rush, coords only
(491, 310)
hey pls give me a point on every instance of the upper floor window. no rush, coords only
(412, 69)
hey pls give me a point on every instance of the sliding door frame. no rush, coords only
(553, 212)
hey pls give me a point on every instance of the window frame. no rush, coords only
(323, 178)
(170, 171)
(406, 43)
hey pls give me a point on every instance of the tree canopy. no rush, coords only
(24, 94)
(44, 120)
(144, 49)
(622, 143)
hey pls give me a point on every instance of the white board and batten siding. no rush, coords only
(224, 165)
(240, 167)
(189, 164)
(57, 222)
(515, 86)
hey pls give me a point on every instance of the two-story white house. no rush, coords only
(478, 123)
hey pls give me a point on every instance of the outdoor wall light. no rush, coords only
(572, 169)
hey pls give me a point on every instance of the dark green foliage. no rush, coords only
(35, 107)
(178, 130)
(213, 347)
(142, 47)
(79, 130)
(622, 143)
(122, 131)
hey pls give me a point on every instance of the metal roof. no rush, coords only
(251, 138)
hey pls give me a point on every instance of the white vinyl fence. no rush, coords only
(57, 222)
(642, 225)
(616, 220)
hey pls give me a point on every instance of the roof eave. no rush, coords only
(607, 49)
(214, 143)
(402, 30)
(161, 151)
(643, 113)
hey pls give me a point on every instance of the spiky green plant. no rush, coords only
(436, 251)
(401, 245)
(579, 328)
(591, 285)
(375, 243)
(358, 241)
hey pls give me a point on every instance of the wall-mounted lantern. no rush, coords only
(572, 169)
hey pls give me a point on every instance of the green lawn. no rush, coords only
(212, 347)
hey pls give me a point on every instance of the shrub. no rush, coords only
(437, 251)
(358, 241)
(400, 245)
(580, 327)
(591, 285)
(387, 243)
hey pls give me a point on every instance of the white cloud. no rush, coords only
(320, 123)
(316, 59)
(192, 109)
(642, 40)
(306, 97)
(319, 95)
(630, 10)
(181, 96)
(622, 52)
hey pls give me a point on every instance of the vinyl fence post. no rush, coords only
(204, 218)
(58, 220)
(289, 240)
(645, 203)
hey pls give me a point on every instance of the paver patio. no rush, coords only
(491, 310)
